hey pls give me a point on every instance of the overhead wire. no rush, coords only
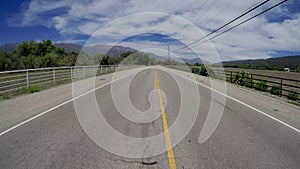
(221, 11)
(201, 7)
(233, 20)
(208, 9)
(264, 11)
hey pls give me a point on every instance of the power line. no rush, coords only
(201, 7)
(208, 9)
(219, 12)
(228, 6)
(245, 13)
(244, 21)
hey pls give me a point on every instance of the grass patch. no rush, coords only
(242, 78)
(293, 95)
(275, 89)
(33, 89)
(261, 86)
(6, 96)
(248, 83)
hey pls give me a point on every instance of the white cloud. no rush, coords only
(258, 38)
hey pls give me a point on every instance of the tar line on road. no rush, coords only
(171, 158)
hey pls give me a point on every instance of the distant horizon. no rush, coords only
(284, 54)
(157, 24)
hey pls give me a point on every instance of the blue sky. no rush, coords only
(154, 24)
(17, 34)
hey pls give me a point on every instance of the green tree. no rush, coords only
(23, 49)
(126, 54)
(51, 60)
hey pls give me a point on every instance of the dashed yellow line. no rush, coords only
(172, 163)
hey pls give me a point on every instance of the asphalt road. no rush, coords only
(244, 138)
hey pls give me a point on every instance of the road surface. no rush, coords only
(244, 137)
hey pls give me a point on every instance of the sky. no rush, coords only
(151, 25)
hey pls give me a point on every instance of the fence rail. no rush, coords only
(284, 86)
(18, 80)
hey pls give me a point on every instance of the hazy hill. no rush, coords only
(189, 61)
(108, 50)
(9, 47)
(270, 63)
(103, 49)
(69, 47)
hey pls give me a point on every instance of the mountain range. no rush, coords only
(286, 61)
(8, 47)
(270, 63)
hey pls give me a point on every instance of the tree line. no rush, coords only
(32, 54)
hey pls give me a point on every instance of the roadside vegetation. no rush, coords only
(31, 55)
(293, 95)
(244, 78)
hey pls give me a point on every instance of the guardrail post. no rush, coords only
(251, 76)
(83, 71)
(281, 86)
(71, 73)
(27, 78)
(54, 75)
(101, 70)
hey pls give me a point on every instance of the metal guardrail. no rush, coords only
(17, 80)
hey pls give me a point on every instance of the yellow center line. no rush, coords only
(171, 157)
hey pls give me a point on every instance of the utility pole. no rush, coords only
(169, 56)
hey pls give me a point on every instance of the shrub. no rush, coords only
(242, 78)
(203, 71)
(275, 90)
(195, 70)
(293, 95)
(210, 71)
(262, 86)
(33, 89)
(6, 96)
(247, 82)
